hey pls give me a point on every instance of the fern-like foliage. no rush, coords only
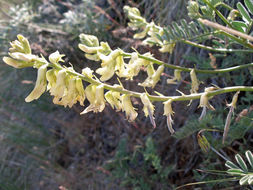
(241, 170)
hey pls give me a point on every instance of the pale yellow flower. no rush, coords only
(153, 77)
(56, 57)
(60, 88)
(95, 95)
(40, 86)
(169, 113)
(195, 82)
(148, 108)
(113, 98)
(128, 108)
(16, 63)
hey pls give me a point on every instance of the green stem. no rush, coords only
(155, 98)
(216, 71)
(223, 50)
(218, 13)
(224, 5)
(210, 181)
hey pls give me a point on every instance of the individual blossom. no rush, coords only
(177, 77)
(59, 89)
(153, 77)
(23, 57)
(21, 45)
(16, 63)
(195, 82)
(56, 57)
(108, 65)
(113, 98)
(167, 47)
(80, 91)
(127, 106)
(69, 98)
(169, 113)
(51, 78)
(148, 108)
(232, 106)
(95, 95)
(89, 43)
(40, 86)
(87, 72)
(204, 103)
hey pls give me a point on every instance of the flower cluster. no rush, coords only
(151, 30)
(112, 62)
(67, 88)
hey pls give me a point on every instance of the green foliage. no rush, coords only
(242, 172)
(140, 169)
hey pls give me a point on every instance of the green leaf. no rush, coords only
(249, 156)
(243, 12)
(231, 165)
(235, 172)
(249, 5)
(250, 180)
(244, 180)
(239, 25)
(241, 162)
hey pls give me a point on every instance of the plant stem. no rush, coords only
(151, 97)
(218, 13)
(223, 50)
(216, 71)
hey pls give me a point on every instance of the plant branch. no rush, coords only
(216, 71)
(155, 98)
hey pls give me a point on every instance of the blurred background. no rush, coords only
(45, 146)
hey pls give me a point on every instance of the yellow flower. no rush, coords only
(127, 106)
(113, 98)
(56, 57)
(169, 113)
(16, 63)
(195, 82)
(51, 78)
(21, 45)
(204, 103)
(80, 91)
(167, 47)
(153, 77)
(59, 89)
(148, 108)
(108, 65)
(40, 86)
(232, 106)
(95, 95)
(23, 57)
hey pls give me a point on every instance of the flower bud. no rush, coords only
(127, 106)
(89, 40)
(16, 63)
(56, 57)
(23, 57)
(167, 47)
(25, 44)
(195, 82)
(193, 9)
(87, 72)
(40, 86)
